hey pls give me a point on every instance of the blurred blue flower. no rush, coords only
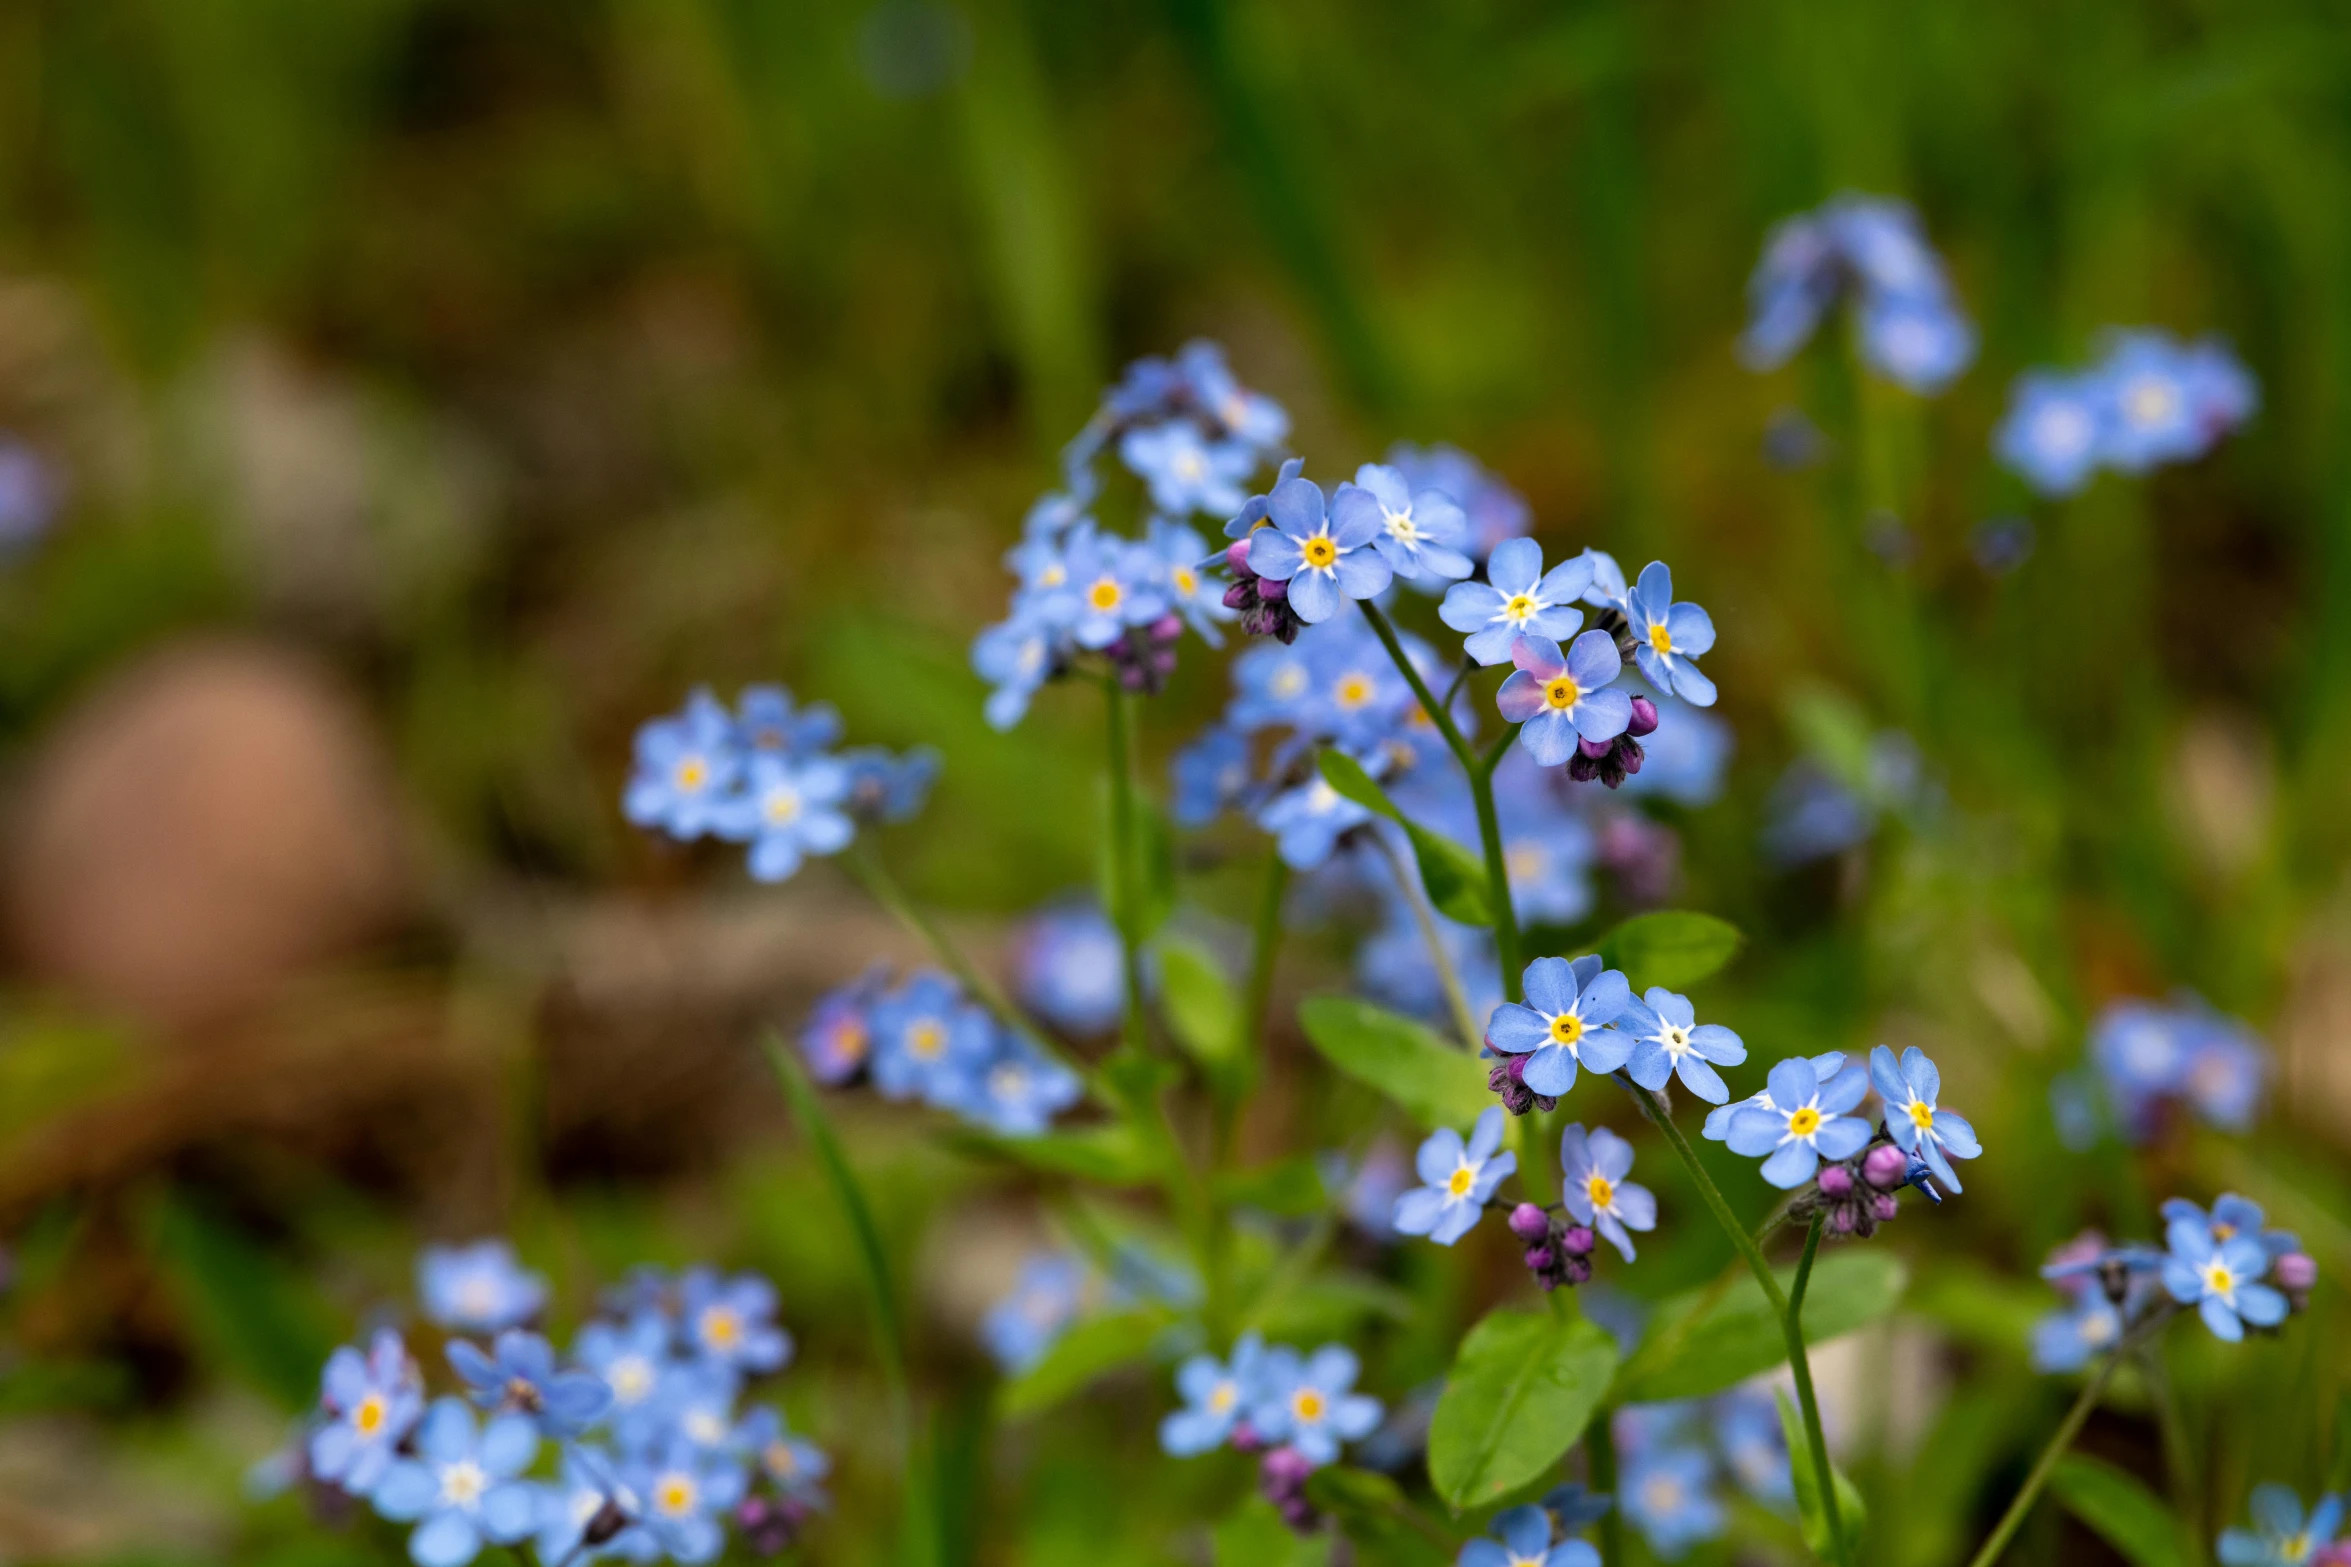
(478, 1288)
(837, 1040)
(1521, 1537)
(1273, 685)
(1179, 552)
(1668, 637)
(2231, 1217)
(2149, 1055)
(1395, 968)
(1366, 1190)
(686, 1491)
(2169, 402)
(1802, 1123)
(1307, 821)
(697, 1404)
(1418, 535)
(1911, 331)
(1045, 1299)
(1257, 511)
(1668, 1041)
(1913, 1119)
(463, 1489)
(1592, 1170)
(585, 1486)
(1518, 598)
(370, 1402)
(2281, 1535)
(1576, 1507)
(1212, 773)
(889, 786)
(1114, 583)
(1019, 1090)
(686, 767)
(1015, 656)
(1187, 472)
(1667, 1493)
(2069, 1339)
(29, 495)
(1754, 1447)
(1308, 1403)
(1557, 698)
(766, 719)
(2052, 431)
(1919, 342)
(790, 809)
(1069, 968)
(2220, 1278)
(633, 1358)
(1563, 1023)
(1547, 847)
(1325, 560)
(731, 1321)
(1684, 757)
(1493, 510)
(1216, 1395)
(925, 1036)
(519, 1374)
(1246, 416)
(1828, 1065)
(1456, 1180)
(794, 1465)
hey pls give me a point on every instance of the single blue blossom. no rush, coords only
(767, 719)
(1365, 1190)
(587, 1494)
(2052, 431)
(789, 809)
(1521, 1537)
(633, 1358)
(1325, 560)
(1913, 1119)
(686, 767)
(1419, 535)
(1592, 1170)
(2221, 1279)
(1309, 1403)
(478, 1288)
(2155, 393)
(1457, 1179)
(794, 1465)
(1179, 552)
(1307, 822)
(1187, 472)
(2281, 1535)
(1016, 657)
(1257, 511)
(2231, 1217)
(731, 1321)
(697, 1403)
(1802, 1123)
(925, 1036)
(1019, 1090)
(1916, 341)
(1518, 598)
(1247, 416)
(1668, 637)
(370, 1402)
(1394, 967)
(463, 1489)
(1044, 1301)
(1608, 589)
(1754, 1446)
(519, 1374)
(838, 1038)
(889, 786)
(1069, 968)
(687, 1492)
(1827, 1065)
(1493, 510)
(1669, 1041)
(1563, 1023)
(1667, 1493)
(1557, 698)
(1216, 1394)
(2070, 1338)
(1116, 583)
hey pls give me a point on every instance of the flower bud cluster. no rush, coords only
(1144, 656)
(1263, 602)
(1281, 1480)
(1557, 1252)
(1857, 1195)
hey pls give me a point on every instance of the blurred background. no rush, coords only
(400, 400)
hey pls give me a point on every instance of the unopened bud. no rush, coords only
(1529, 1223)
(1577, 1241)
(2296, 1271)
(1271, 591)
(1236, 558)
(1836, 1181)
(1644, 718)
(1884, 1207)
(1885, 1167)
(1595, 749)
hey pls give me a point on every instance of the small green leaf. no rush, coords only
(1709, 1339)
(1676, 948)
(1436, 1085)
(2121, 1509)
(1110, 1153)
(1087, 1352)
(1850, 1511)
(1202, 1011)
(1523, 1388)
(1454, 877)
(889, 1326)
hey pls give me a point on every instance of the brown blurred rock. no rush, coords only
(210, 821)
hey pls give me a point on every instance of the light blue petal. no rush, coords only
(1550, 1070)
(1703, 1080)
(447, 1539)
(1791, 1166)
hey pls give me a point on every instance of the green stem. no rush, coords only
(2067, 1429)
(1124, 913)
(2179, 1458)
(1600, 1462)
(1456, 999)
(1800, 1363)
(1481, 785)
(1264, 944)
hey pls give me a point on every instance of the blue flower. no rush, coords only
(1493, 509)
(1419, 535)
(766, 719)
(2161, 409)
(1747, 1430)
(1015, 656)
(478, 1288)
(2052, 433)
(1913, 1120)
(1246, 416)
(1668, 637)
(1325, 560)
(519, 1374)
(2285, 1538)
(1547, 848)
(2231, 1217)
(1044, 1300)
(794, 1465)
(1256, 511)
(1917, 341)
(1592, 1170)
(1307, 822)
(686, 1491)
(1667, 1494)
(1358, 696)
(1212, 773)
(1802, 1122)
(925, 1036)
(633, 1358)
(29, 494)
(1518, 598)
(1114, 583)
(1216, 1395)
(370, 1402)
(732, 1321)
(1556, 698)
(1456, 1181)
(789, 810)
(686, 767)
(2069, 1339)
(1308, 1403)
(2220, 1278)
(1069, 968)
(838, 1037)
(1273, 685)
(1019, 1091)
(1394, 966)
(1827, 1065)
(1199, 601)
(697, 1404)
(1187, 472)
(1910, 332)
(1521, 1537)
(1563, 1023)
(1668, 1041)
(462, 1489)
(567, 1508)
(888, 786)
(2148, 1054)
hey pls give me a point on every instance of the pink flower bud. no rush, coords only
(1236, 557)
(1644, 718)
(1529, 1223)
(1271, 591)
(1884, 1206)
(1885, 1166)
(1595, 749)
(1836, 1181)
(1577, 1241)
(2296, 1271)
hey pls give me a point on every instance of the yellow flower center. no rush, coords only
(1460, 1181)
(674, 1494)
(721, 1328)
(783, 805)
(1566, 1029)
(1526, 862)
(367, 1418)
(1922, 1115)
(2219, 1279)
(849, 1039)
(2221, 1232)
(1105, 594)
(1354, 691)
(692, 773)
(1601, 1190)
(1053, 576)
(1222, 1397)
(1320, 551)
(1804, 1122)
(1562, 693)
(926, 1038)
(1187, 581)
(780, 1460)
(1662, 1494)
(1307, 1404)
(2295, 1548)
(631, 1378)
(1660, 638)
(1519, 608)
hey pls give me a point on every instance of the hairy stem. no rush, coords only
(1456, 999)
(1800, 1363)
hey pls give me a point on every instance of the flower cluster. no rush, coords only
(2148, 401)
(2226, 1264)
(1674, 1454)
(631, 1446)
(1053, 1289)
(2151, 1062)
(1193, 435)
(1802, 1126)
(1292, 1408)
(925, 1039)
(1583, 1015)
(1869, 249)
(766, 774)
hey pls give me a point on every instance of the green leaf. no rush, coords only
(1087, 1352)
(1436, 1085)
(1329, 1305)
(1676, 948)
(1371, 1509)
(889, 1325)
(1289, 1188)
(1255, 1536)
(1110, 1153)
(1712, 1338)
(1523, 1388)
(2120, 1508)
(250, 1310)
(1850, 1511)
(1454, 877)
(1202, 1011)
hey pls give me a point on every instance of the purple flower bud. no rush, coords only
(1245, 1438)
(1582, 768)
(1529, 1223)
(1885, 1167)
(1271, 591)
(1285, 1467)
(1167, 628)
(1836, 1181)
(1842, 1219)
(1236, 559)
(1576, 1270)
(1242, 594)
(1595, 749)
(2296, 1271)
(1883, 1207)
(1539, 1259)
(1629, 755)
(1644, 718)
(1577, 1241)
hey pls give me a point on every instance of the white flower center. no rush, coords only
(462, 1484)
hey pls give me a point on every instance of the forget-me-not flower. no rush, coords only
(1909, 1088)
(633, 1358)
(2231, 1217)
(463, 1489)
(687, 1490)
(2281, 1536)
(1418, 534)
(1753, 1445)
(1186, 471)
(1018, 1091)
(1070, 968)
(1917, 341)
(767, 719)
(838, 1037)
(1015, 657)
(1115, 583)
(1668, 637)
(2069, 1339)
(1802, 1122)
(1307, 821)
(793, 1464)
(1592, 1170)
(732, 1320)
(789, 810)
(1216, 1393)
(1669, 1041)
(370, 1401)
(1044, 1300)
(925, 1035)
(1563, 1023)
(1309, 1403)
(2220, 1278)
(2051, 433)
(1518, 598)
(1521, 1537)
(1667, 1493)
(478, 1288)
(1325, 560)
(1212, 773)
(1247, 416)
(1456, 1178)
(886, 785)
(1557, 698)
(586, 1486)
(2156, 417)
(1179, 552)
(1493, 509)
(1827, 1065)
(519, 1373)
(686, 767)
